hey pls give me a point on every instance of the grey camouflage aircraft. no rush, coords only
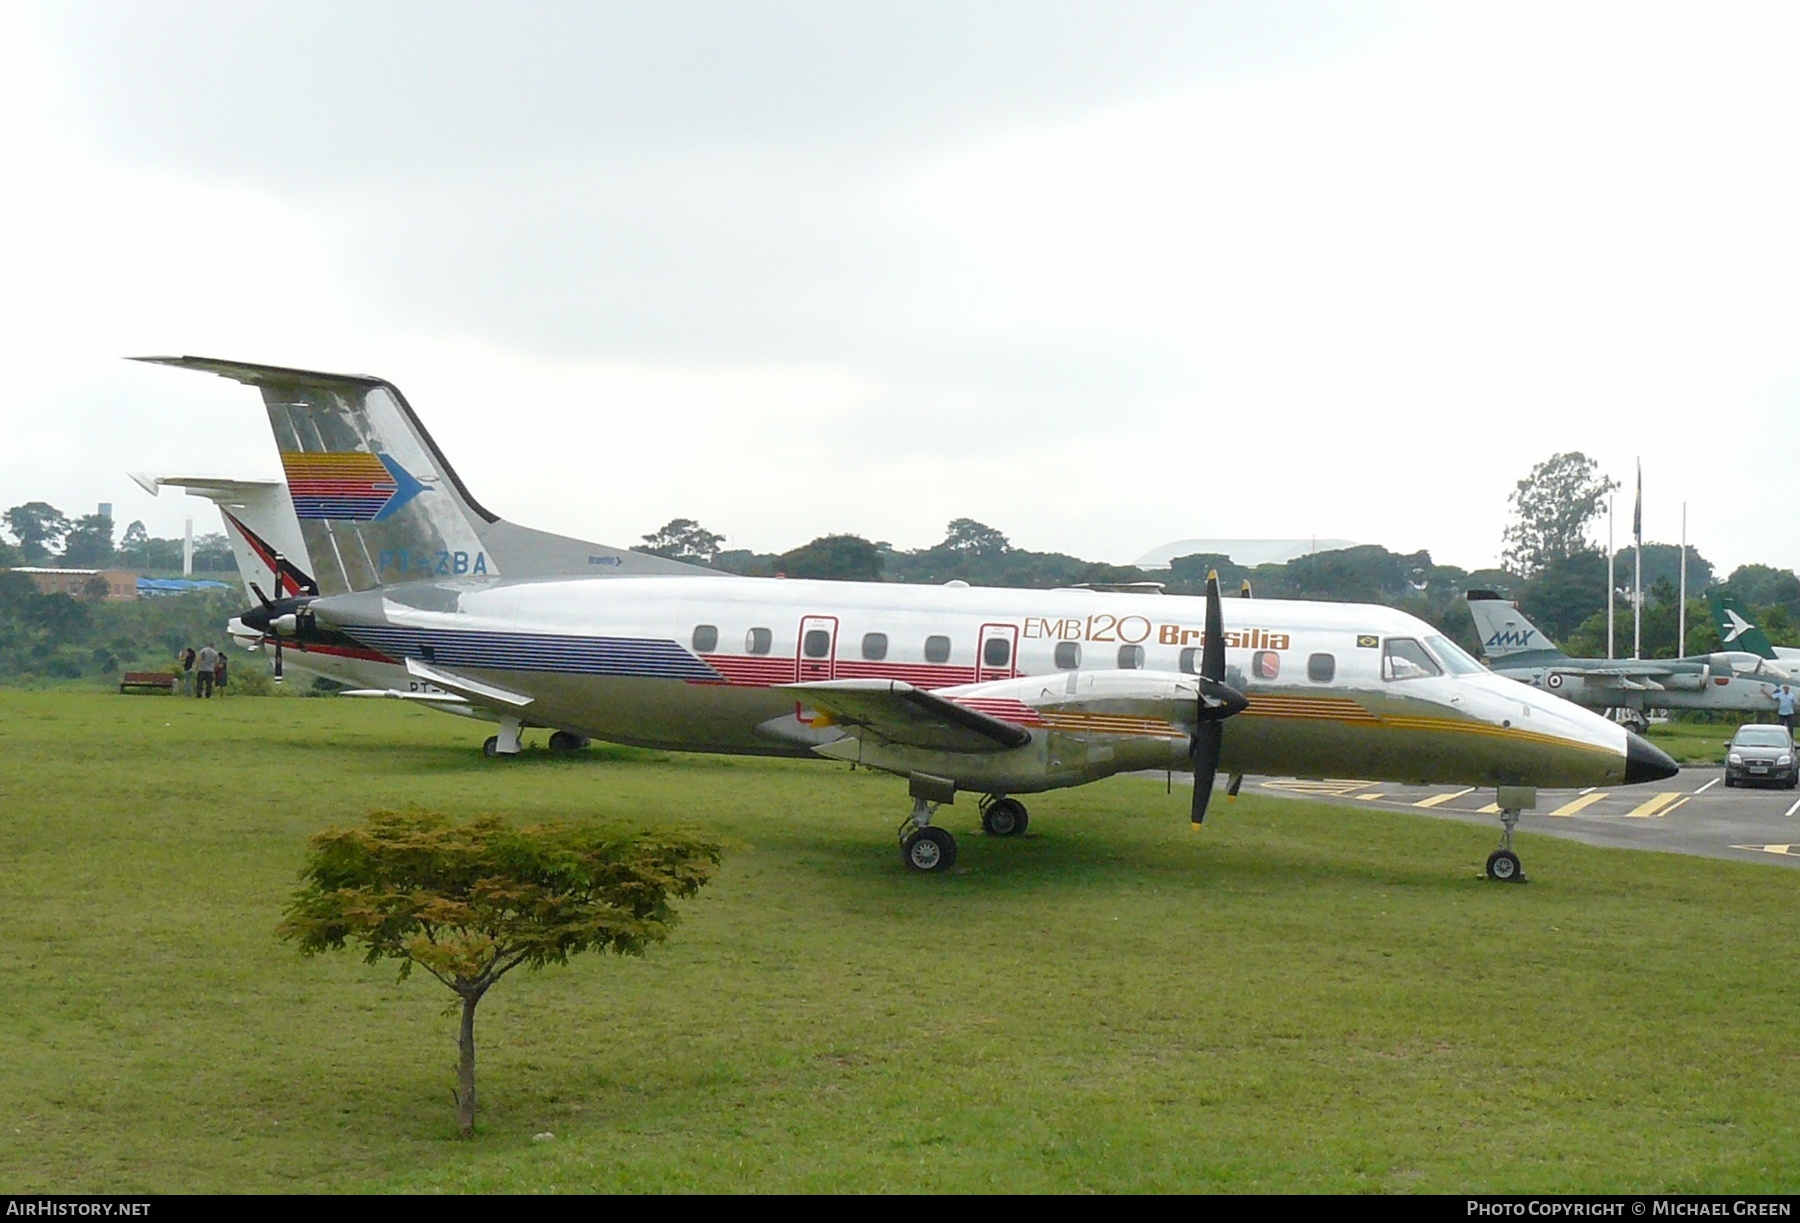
(1515, 647)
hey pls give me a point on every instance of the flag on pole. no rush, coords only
(1637, 513)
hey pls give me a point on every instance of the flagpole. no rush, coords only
(1611, 582)
(1637, 582)
(1681, 651)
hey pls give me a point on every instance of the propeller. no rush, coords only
(1215, 700)
(265, 618)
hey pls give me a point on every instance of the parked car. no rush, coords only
(1761, 754)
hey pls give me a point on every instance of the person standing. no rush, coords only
(187, 671)
(1784, 707)
(203, 670)
(219, 674)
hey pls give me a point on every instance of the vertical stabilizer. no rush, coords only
(379, 504)
(1503, 628)
(1736, 630)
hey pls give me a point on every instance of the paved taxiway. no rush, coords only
(1691, 813)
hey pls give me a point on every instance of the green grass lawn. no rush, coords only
(1693, 742)
(1299, 997)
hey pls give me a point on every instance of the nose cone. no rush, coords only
(1644, 761)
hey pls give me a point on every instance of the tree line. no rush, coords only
(1550, 566)
(37, 533)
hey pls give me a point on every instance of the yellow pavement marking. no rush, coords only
(1435, 799)
(1367, 797)
(1654, 805)
(1577, 804)
(1340, 787)
(1770, 849)
(1490, 809)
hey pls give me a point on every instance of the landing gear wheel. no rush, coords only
(1503, 866)
(929, 850)
(492, 746)
(1005, 817)
(567, 741)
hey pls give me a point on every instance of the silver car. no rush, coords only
(1763, 754)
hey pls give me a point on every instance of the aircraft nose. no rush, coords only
(1644, 761)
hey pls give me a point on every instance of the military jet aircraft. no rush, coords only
(1517, 648)
(958, 689)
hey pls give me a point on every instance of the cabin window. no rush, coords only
(816, 643)
(937, 648)
(874, 646)
(1068, 655)
(758, 641)
(706, 638)
(1321, 668)
(1404, 658)
(996, 652)
(1190, 661)
(1131, 658)
(1265, 664)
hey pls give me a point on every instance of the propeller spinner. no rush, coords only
(1216, 700)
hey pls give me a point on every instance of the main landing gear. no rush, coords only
(925, 847)
(506, 743)
(1004, 817)
(567, 741)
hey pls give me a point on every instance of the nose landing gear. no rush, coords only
(1503, 864)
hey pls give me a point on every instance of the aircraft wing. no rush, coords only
(900, 713)
(466, 685)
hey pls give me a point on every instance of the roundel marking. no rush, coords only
(1555, 680)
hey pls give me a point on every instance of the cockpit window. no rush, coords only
(1455, 659)
(1404, 658)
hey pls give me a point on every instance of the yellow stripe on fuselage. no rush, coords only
(1309, 709)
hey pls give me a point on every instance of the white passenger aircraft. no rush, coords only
(956, 688)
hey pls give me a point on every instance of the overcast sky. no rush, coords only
(1101, 275)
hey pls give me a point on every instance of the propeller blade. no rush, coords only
(275, 569)
(1212, 657)
(278, 659)
(1208, 737)
(1209, 720)
(261, 597)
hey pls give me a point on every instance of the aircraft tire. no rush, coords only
(1503, 867)
(929, 851)
(492, 746)
(566, 741)
(1005, 817)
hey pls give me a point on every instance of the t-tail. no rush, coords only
(379, 504)
(1736, 630)
(1504, 630)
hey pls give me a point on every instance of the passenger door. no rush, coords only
(997, 653)
(815, 657)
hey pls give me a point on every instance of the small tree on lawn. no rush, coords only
(471, 902)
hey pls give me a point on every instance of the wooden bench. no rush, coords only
(149, 681)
